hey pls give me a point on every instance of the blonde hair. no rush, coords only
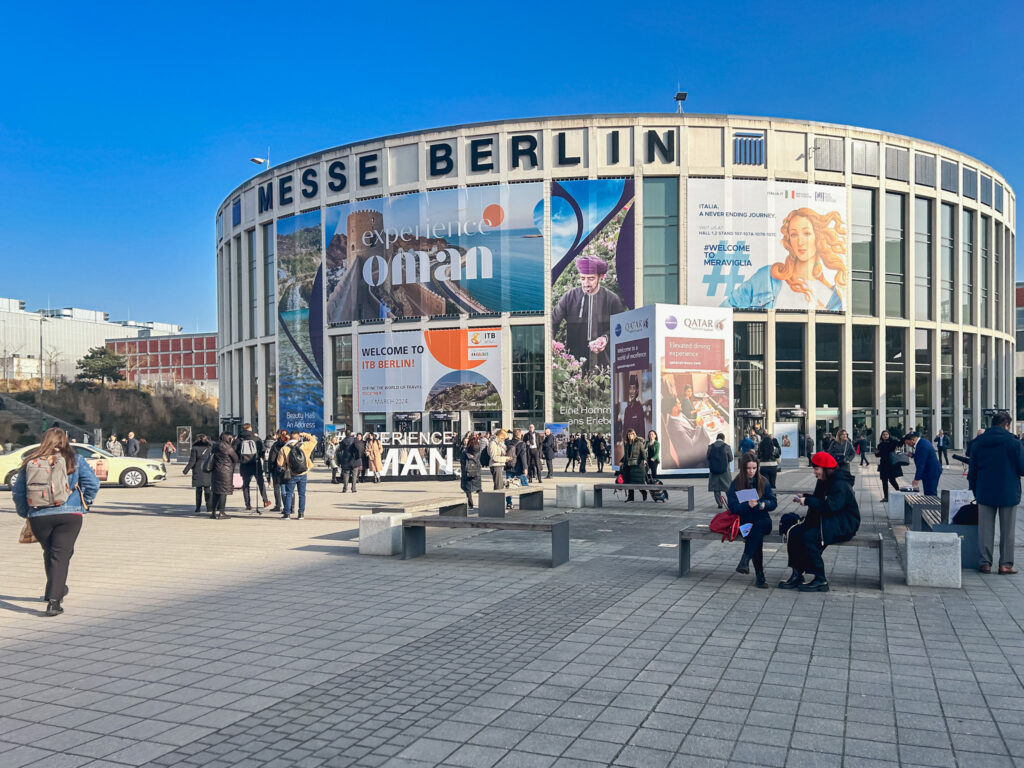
(829, 250)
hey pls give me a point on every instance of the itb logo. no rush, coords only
(618, 329)
(671, 322)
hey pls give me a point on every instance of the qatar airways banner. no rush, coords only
(755, 244)
(445, 370)
(450, 251)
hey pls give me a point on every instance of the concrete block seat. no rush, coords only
(600, 488)
(414, 533)
(933, 559)
(492, 503)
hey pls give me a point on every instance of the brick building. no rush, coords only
(189, 358)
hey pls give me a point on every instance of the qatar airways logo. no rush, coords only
(702, 324)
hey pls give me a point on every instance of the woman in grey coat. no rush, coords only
(201, 480)
(719, 458)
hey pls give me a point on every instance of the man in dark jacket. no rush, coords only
(942, 446)
(131, 445)
(997, 464)
(583, 450)
(547, 446)
(926, 462)
(278, 475)
(533, 442)
(250, 464)
(350, 459)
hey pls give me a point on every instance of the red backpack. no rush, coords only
(727, 524)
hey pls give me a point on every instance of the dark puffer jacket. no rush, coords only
(200, 479)
(224, 461)
(833, 507)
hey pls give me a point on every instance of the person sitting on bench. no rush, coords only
(753, 513)
(832, 516)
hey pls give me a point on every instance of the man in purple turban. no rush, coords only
(587, 311)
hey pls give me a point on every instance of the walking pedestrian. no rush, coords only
(519, 452)
(469, 462)
(375, 456)
(808, 449)
(168, 450)
(497, 459)
(278, 474)
(841, 448)
(350, 460)
(753, 513)
(297, 457)
(131, 446)
(583, 451)
(601, 451)
(863, 446)
(201, 479)
(634, 463)
(719, 457)
(888, 470)
(533, 439)
(768, 453)
(832, 517)
(249, 446)
(571, 453)
(927, 467)
(222, 480)
(748, 443)
(547, 446)
(653, 454)
(55, 525)
(331, 457)
(942, 446)
(997, 464)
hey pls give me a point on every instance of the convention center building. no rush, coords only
(464, 278)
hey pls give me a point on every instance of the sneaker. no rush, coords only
(266, 504)
(248, 509)
(300, 517)
(286, 517)
(53, 608)
(818, 584)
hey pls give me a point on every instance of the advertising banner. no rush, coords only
(694, 389)
(561, 433)
(300, 364)
(451, 251)
(788, 435)
(633, 338)
(418, 455)
(444, 370)
(767, 244)
(592, 266)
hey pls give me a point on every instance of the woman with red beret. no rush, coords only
(832, 517)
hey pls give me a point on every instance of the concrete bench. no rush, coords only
(933, 559)
(492, 503)
(445, 505)
(915, 505)
(702, 533)
(414, 533)
(600, 488)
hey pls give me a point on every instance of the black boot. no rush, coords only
(794, 581)
(817, 584)
(744, 566)
(53, 608)
(761, 582)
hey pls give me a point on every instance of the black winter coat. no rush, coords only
(522, 463)
(832, 508)
(350, 453)
(200, 479)
(548, 446)
(470, 484)
(884, 452)
(997, 463)
(224, 460)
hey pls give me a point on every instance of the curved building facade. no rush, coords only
(464, 277)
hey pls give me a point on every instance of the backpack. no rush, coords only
(47, 483)
(248, 450)
(470, 465)
(717, 462)
(297, 463)
(207, 465)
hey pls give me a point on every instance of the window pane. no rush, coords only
(895, 249)
(947, 243)
(967, 268)
(527, 374)
(862, 260)
(661, 240)
(789, 364)
(923, 309)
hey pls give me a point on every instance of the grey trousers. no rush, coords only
(986, 533)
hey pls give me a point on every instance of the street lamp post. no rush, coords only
(262, 160)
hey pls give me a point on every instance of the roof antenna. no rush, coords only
(680, 98)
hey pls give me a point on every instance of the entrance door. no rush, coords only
(828, 425)
(485, 421)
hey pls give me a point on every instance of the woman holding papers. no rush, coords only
(751, 497)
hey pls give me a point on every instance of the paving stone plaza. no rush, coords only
(259, 642)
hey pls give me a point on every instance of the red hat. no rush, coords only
(826, 460)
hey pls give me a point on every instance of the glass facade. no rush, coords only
(967, 268)
(269, 282)
(923, 380)
(828, 352)
(748, 370)
(343, 387)
(238, 300)
(270, 363)
(895, 367)
(789, 365)
(862, 260)
(967, 385)
(527, 375)
(863, 366)
(661, 240)
(895, 255)
(253, 298)
(947, 245)
(946, 380)
(985, 264)
(924, 308)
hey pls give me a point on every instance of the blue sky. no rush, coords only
(123, 126)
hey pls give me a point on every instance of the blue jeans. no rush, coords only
(289, 488)
(523, 480)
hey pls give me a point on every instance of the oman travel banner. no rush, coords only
(443, 370)
(756, 244)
